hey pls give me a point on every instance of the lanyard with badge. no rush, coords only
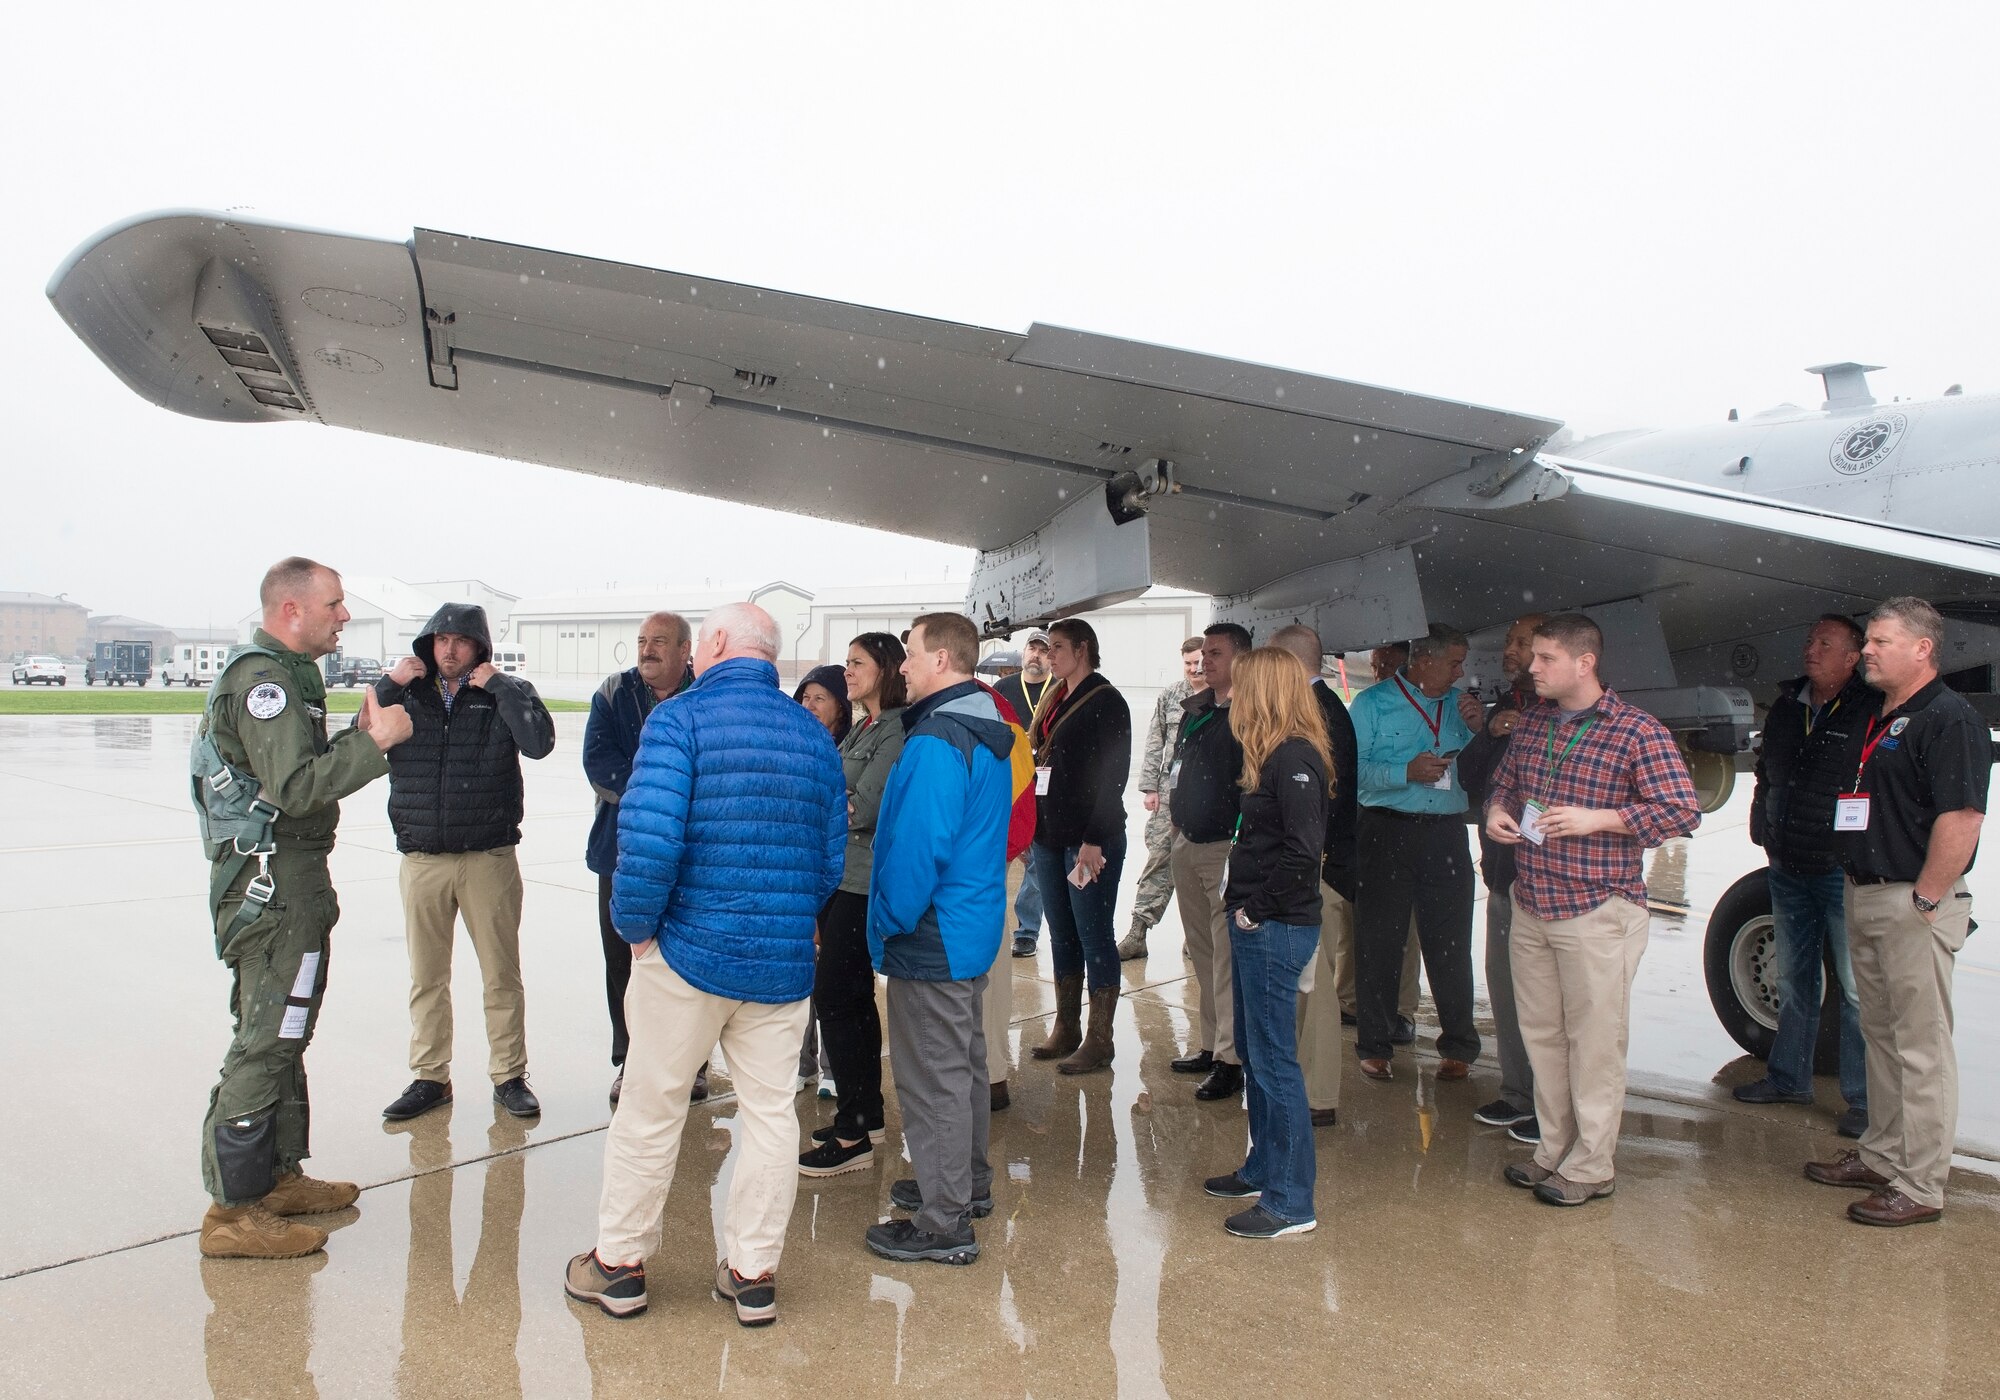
(1534, 809)
(1434, 723)
(1188, 731)
(1850, 810)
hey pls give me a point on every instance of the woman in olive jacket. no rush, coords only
(850, 1026)
(1272, 897)
(1082, 734)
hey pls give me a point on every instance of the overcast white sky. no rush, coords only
(1608, 214)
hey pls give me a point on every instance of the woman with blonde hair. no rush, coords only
(1271, 891)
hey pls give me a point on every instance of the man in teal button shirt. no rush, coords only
(1411, 850)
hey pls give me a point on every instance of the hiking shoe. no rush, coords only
(756, 1299)
(422, 1096)
(907, 1195)
(1527, 1175)
(620, 1291)
(832, 1130)
(1024, 945)
(252, 1232)
(1766, 1090)
(299, 1194)
(1501, 1114)
(1853, 1123)
(517, 1098)
(903, 1240)
(699, 1093)
(1133, 944)
(1257, 1223)
(1559, 1190)
(1528, 1130)
(832, 1157)
(1231, 1187)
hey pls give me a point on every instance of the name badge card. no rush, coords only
(1531, 821)
(1850, 812)
(1042, 781)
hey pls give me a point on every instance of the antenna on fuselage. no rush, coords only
(1846, 384)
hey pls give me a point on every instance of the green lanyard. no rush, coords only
(1556, 759)
(1188, 730)
(1237, 832)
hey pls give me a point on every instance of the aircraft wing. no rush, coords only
(1083, 467)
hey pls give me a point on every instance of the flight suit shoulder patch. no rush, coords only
(266, 700)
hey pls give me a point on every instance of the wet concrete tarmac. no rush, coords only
(1716, 1266)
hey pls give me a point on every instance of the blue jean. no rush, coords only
(1081, 938)
(1809, 918)
(1028, 903)
(1269, 960)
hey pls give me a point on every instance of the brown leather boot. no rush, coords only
(251, 1232)
(1095, 1052)
(1066, 1033)
(299, 1194)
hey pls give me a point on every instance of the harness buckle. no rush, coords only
(222, 779)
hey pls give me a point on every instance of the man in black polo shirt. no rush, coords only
(1812, 738)
(1908, 829)
(1201, 781)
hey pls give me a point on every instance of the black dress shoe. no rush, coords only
(1200, 1062)
(1348, 1018)
(422, 1096)
(1225, 1081)
(1405, 1032)
(517, 1098)
(1325, 1117)
(699, 1093)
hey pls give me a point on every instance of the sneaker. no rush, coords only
(1528, 1130)
(422, 1096)
(1526, 1175)
(299, 1194)
(804, 1082)
(617, 1086)
(1257, 1223)
(907, 1195)
(756, 1299)
(517, 1098)
(903, 1240)
(1853, 1123)
(1559, 1190)
(1230, 1188)
(832, 1157)
(829, 1133)
(1024, 945)
(252, 1232)
(826, 1089)
(1766, 1090)
(1501, 1114)
(620, 1291)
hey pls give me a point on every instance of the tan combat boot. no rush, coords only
(251, 1232)
(299, 1194)
(1066, 1031)
(1095, 1052)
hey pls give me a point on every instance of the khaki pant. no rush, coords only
(999, 1010)
(673, 1028)
(1198, 867)
(1902, 974)
(484, 886)
(1573, 988)
(1343, 969)
(1322, 1049)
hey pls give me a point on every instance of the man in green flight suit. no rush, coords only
(267, 718)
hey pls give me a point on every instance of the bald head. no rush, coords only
(733, 630)
(1303, 642)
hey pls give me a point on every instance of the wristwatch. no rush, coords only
(1924, 906)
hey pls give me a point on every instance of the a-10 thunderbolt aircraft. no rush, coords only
(1085, 468)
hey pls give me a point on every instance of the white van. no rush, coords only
(512, 660)
(194, 664)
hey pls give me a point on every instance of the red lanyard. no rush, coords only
(1869, 743)
(1433, 723)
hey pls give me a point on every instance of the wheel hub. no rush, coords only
(1753, 970)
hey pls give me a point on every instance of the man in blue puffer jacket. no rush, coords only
(731, 835)
(937, 901)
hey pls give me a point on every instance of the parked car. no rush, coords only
(353, 670)
(41, 670)
(194, 663)
(120, 663)
(512, 660)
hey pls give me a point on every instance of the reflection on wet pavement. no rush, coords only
(1105, 1269)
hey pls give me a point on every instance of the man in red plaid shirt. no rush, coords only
(1588, 783)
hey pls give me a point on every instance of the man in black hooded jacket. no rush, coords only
(455, 804)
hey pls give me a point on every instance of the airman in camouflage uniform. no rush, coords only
(267, 719)
(1156, 881)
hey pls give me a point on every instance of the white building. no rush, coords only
(388, 613)
(587, 636)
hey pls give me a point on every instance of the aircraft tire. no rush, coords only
(1737, 960)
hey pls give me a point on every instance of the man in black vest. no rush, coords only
(455, 804)
(1812, 739)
